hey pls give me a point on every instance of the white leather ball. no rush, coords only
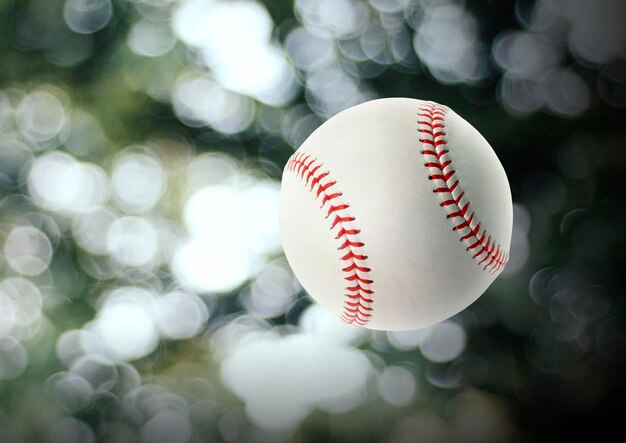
(395, 214)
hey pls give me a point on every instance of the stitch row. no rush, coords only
(358, 304)
(487, 253)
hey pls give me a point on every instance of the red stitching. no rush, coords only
(357, 308)
(491, 256)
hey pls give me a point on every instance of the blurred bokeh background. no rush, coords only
(143, 291)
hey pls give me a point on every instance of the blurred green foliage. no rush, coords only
(130, 112)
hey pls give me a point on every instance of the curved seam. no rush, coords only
(432, 136)
(357, 308)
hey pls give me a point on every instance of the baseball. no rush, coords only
(395, 214)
